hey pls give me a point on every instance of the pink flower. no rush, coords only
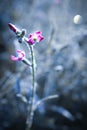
(35, 37)
(13, 28)
(20, 56)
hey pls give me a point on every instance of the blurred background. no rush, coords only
(61, 64)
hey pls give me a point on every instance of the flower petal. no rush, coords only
(31, 41)
(14, 58)
(39, 38)
(21, 53)
(30, 35)
(38, 32)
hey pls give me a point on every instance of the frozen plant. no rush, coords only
(21, 56)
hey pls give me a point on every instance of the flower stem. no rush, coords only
(31, 106)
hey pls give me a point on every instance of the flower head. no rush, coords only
(20, 56)
(35, 37)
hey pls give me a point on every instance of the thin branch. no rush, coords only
(45, 99)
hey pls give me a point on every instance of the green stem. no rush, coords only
(31, 106)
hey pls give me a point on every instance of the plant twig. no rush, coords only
(45, 99)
